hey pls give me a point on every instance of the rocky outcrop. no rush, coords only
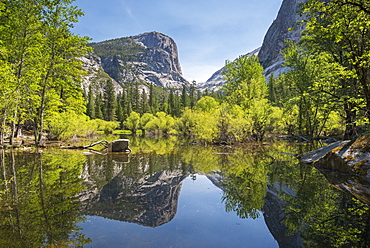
(274, 41)
(147, 58)
(96, 76)
(346, 165)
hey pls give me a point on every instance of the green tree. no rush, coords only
(99, 107)
(110, 103)
(132, 122)
(153, 100)
(44, 55)
(311, 75)
(341, 29)
(90, 109)
(145, 108)
(185, 101)
(244, 81)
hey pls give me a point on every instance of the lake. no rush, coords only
(169, 193)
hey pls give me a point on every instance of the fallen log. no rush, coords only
(121, 145)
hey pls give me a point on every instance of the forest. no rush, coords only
(325, 91)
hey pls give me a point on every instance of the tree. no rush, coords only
(185, 101)
(144, 103)
(310, 79)
(110, 103)
(341, 29)
(244, 81)
(44, 56)
(153, 100)
(90, 109)
(133, 121)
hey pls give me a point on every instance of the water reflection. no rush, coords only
(145, 191)
(45, 195)
(38, 200)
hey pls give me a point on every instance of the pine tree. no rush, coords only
(99, 107)
(153, 100)
(185, 101)
(90, 110)
(109, 102)
(144, 103)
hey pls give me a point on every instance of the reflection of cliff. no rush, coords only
(358, 186)
(143, 191)
(149, 201)
(273, 212)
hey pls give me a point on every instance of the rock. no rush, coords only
(316, 155)
(150, 57)
(346, 165)
(279, 31)
(121, 145)
(350, 156)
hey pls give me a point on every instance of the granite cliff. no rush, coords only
(279, 31)
(283, 28)
(146, 58)
(216, 81)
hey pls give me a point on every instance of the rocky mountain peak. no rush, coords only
(149, 58)
(280, 31)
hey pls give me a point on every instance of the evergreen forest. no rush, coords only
(324, 92)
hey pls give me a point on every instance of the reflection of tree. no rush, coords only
(38, 205)
(245, 182)
(324, 216)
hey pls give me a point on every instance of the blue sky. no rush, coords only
(207, 32)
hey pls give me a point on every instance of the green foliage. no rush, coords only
(132, 122)
(341, 29)
(161, 123)
(122, 47)
(44, 56)
(244, 81)
(45, 207)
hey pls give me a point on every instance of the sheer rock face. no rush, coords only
(150, 57)
(274, 41)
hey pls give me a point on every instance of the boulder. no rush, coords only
(350, 156)
(345, 164)
(121, 145)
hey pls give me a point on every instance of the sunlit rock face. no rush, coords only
(150, 58)
(274, 41)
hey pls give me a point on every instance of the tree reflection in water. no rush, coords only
(38, 204)
(38, 199)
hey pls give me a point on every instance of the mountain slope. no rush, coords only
(279, 31)
(216, 81)
(146, 58)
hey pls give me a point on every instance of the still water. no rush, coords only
(171, 194)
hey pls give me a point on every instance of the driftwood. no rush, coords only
(121, 145)
(103, 142)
